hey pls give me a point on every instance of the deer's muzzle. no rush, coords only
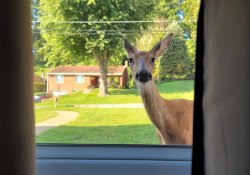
(143, 76)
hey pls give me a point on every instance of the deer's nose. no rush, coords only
(143, 76)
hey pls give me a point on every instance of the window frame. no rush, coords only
(64, 159)
(76, 159)
(95, 159)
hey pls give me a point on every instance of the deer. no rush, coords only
(173, 119)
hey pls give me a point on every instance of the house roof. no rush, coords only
(86, 70)
(37, 79)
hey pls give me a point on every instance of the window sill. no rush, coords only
(53, 159)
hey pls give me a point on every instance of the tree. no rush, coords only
(175, 63)
(167, 10)
(71, 35)
(189, 10)
(38, 60)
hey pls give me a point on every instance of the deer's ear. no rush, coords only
(128, 47)
(162, 46)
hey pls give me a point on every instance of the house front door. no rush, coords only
(94, 82)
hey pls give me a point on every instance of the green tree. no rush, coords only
(68, 42)
(38, 58)
(175, 64)
(167, 10)
(189, 10)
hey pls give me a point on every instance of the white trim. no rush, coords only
(115, 74)
(64, 73)
(59, 92)
(47, 84)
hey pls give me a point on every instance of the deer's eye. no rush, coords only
(153, 60)
(131, 60)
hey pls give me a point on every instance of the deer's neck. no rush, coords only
(153, 102)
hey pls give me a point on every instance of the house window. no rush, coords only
(59, 78)
(79, 79)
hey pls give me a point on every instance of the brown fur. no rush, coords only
(173, 119)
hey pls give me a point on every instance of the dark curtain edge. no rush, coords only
(198, 125)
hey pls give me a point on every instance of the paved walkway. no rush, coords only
(128, 105)
(62, 118)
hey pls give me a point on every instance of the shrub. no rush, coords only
(39, 87)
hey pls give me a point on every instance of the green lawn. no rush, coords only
(170, 90)
(109, 126)
(104, 126)
(44, 114)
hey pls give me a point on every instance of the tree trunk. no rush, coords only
(173, 77)
(102, 60)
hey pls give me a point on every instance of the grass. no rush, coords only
(104, 126)
(108, 126)
(170, 90)
(177, 89)
(44, 114)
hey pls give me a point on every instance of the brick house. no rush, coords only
(67, 79)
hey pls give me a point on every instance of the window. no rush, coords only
(76, 42)
(59, 78)
(87, 57)
(57, 161)
(79, 79)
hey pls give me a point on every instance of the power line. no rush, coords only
(107, 34)
(104, 32)
(108, 30)
(112, 22)
(99, 31)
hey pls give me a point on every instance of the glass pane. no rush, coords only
(59, 78)
(92, 86)
(79, 79)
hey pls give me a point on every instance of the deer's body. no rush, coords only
(173, 119)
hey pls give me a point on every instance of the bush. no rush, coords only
(113, 82)
(176, 63)
(39, 87)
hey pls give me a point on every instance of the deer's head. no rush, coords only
(142, 63)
